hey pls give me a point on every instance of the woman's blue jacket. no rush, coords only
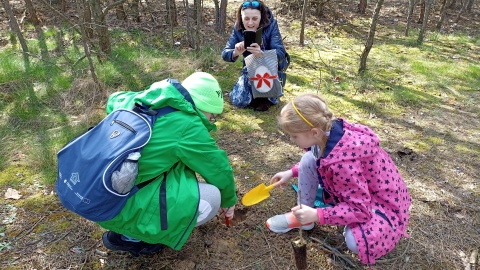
(271, 39)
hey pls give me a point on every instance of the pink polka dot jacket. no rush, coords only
(369, 193)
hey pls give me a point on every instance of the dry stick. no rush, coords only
(33, 227)
(334, 251)
(300, 246)
(269, 248)
(58, 239)
(300, 204)
(30, 230)
(396, 258)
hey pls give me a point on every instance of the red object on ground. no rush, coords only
(227, 221)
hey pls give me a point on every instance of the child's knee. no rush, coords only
(350, 240)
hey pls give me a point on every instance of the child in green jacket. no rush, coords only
(180, 147)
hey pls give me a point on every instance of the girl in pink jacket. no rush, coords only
(361, 184)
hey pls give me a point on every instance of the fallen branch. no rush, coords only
(396, 258)
(334, 251)
(58, 239)
(269, 248)
(29, 230)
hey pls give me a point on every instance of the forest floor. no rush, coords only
(445, 214)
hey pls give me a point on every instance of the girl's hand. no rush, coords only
(281, 179)
(255, 49)
(239, 49)
(306, 214)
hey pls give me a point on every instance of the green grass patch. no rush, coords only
(15, 176)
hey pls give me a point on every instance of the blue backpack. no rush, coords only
(87, 163)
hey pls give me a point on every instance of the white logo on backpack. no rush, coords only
(115, 134)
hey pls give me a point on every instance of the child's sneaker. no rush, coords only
(114, 241)
(286, 222)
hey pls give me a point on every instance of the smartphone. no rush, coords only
(250, 37)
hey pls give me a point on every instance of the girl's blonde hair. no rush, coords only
(305, 112)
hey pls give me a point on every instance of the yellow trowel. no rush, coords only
(256, 195)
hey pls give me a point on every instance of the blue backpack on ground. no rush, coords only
(91, 164)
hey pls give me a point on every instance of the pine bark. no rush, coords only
(371, 36)
(172, 12)
(443, 14)
(422, 11)
(220, 15)
(411, 6)
(302, 28)
(423, 29)
(12, 21)
(85, 42)
(362, 6)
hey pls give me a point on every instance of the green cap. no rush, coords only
(205, 92)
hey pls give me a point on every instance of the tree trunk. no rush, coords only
(101, 30)
(170, 22)
(87, 18)
(120, 13)
(12, 20)
(172, 13)
(371, 36)
(421, 35)
(216, 4)
(32, 13)
(220, 16)
(470, 5)
(462, 11)
(411, 6)
(199, 13)
(82, 5)
(302, 28)
(63, 5)
(320, 7)
(188, 23)
(61, 15)
(33, 19)
(59, 46)
(421, 17)
(443, 14)
(362, 6)
(134, 9)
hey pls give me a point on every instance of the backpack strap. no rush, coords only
(182, 91)
(154, 114)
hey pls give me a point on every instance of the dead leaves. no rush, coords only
(12, 194)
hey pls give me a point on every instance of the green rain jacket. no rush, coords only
(180, 146)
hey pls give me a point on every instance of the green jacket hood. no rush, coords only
(168, 92)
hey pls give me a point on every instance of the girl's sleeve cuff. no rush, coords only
(320, 214)
(295, 171)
